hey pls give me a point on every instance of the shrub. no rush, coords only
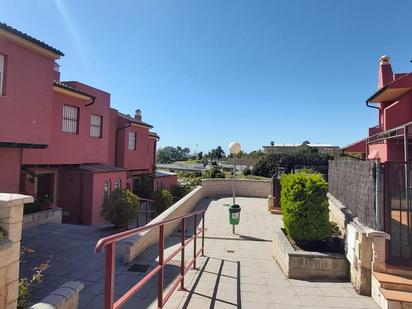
(246, 171)
(163, 198)
(305, 206)
(214, 173)
(120, 208)
(179, 191)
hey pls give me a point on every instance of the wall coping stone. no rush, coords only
(11, 199)
(371, 233)
(60, 296)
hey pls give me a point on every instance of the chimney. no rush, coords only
(138, 115)
(385, 71)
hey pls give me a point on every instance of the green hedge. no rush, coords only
(305, 206)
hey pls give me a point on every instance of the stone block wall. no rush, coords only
(11, 217)
(42, 217)
(364, 246)
(244, 187)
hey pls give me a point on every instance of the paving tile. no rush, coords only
(247, 277)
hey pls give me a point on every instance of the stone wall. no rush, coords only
(42, 217)
(362, 243)
(305, 265)
(244, 187)
(210, 188)
(353, 183)
(11, 216)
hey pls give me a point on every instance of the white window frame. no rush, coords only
(132, 136)
(118, 184)
(96, 125)
(2, 73)
(107, 188)
(70, 119)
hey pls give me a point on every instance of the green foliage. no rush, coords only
(216, 153)
(304, 155)
(120, 208)
(214, 173)
(143, 186)
(23, 299)
(246, 171)
(163, 198)
(179, 191)
(170, 154)
(305, 206)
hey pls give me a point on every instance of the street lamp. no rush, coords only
(234, 149)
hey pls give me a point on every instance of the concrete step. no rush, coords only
(394, 282)
(397, 299)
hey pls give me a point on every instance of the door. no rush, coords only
(45, 189)
(398, 219)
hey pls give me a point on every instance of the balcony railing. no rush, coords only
(376, 129)
(108, 243)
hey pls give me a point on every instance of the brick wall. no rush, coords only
(11, 217)
(353, 184)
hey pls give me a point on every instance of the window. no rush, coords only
(106, 188)
(118, 183)
(2, 69)
(70, 122)
(132, 141)
(96, 126)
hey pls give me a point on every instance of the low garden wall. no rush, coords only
(244, 187)
(135, 245)
(11, 217)
(42, 217)
(364, 246)
(304, 265)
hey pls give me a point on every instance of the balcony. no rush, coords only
(376, 129)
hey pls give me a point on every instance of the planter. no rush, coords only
(42, 217)
(305, 265)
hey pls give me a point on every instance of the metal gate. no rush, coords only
(397, 211)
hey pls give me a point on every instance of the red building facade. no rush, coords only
(62, 140)
(389, 139)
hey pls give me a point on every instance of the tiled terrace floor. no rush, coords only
(237, 271)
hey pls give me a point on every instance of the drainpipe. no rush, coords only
(92, 100)
(378, 205)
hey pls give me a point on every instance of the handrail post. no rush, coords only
(194, 240)
(109, 276)
(203, 235)
(160, 278)
(182, 256)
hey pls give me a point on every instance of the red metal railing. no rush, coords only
(110, 241)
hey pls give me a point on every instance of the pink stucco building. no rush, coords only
(61, 139)
(388, 140)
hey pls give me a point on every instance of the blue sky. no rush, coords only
(209, 72)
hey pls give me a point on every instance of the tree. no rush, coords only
(200, 155)
(303, 156)
(170, 154)
(272, 143)
(217, 153)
